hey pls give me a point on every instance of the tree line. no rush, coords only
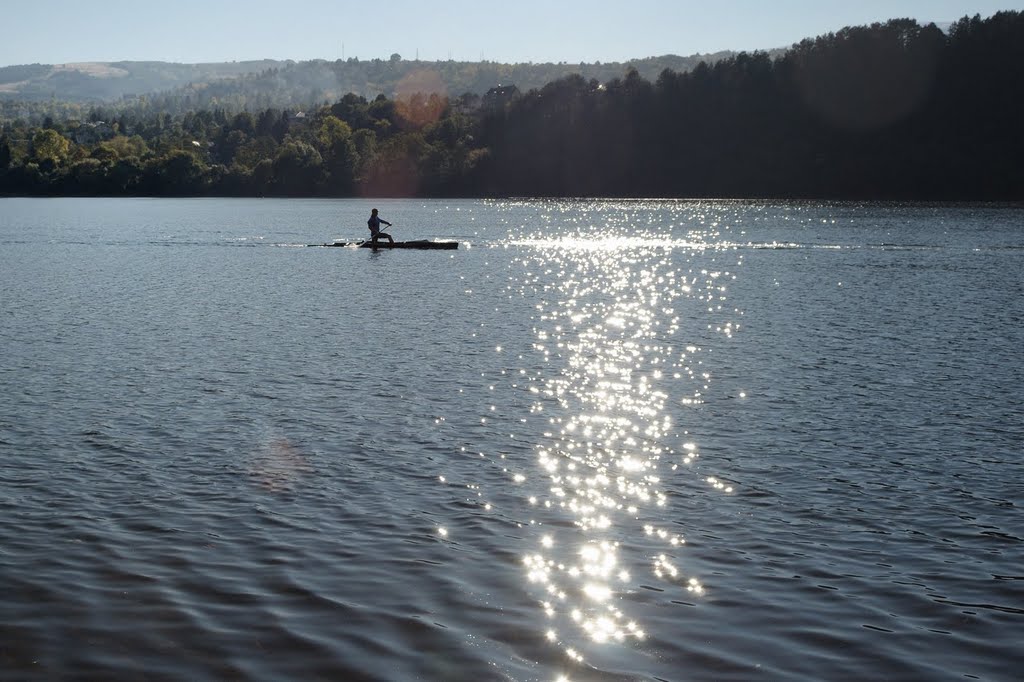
(887, 111)
(32, 92)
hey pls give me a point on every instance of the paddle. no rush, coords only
(380, 231)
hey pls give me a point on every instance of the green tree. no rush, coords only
(86, 177)
(262, 177)
(244, 122)
(396, 168)
(352, 109)
(338, 149)
(26, 179)
(177, 173)
(228, 149)
(332, 130)
(5, 153)
(298, 169)
(365, 141)
(49, 145)
(120, 147)
(252, 152)
(383, 116)
(125, 176)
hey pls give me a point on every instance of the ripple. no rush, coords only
(615, 441)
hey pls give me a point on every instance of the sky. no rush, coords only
(573, 31)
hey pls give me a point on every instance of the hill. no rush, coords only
(95, 82)
(257, 84)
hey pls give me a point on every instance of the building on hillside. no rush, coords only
(499, 96)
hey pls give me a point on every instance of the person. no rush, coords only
(374, 225)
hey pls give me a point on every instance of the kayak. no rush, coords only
(416, 244)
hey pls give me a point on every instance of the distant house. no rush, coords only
(499, 96)
(298, 120)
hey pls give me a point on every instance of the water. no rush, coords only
(601, 441)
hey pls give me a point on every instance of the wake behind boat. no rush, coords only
(415, 244)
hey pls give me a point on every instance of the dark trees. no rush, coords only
(887, 111)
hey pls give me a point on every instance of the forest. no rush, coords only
(35, 91)
(893, 110)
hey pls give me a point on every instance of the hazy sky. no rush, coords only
(59, 31)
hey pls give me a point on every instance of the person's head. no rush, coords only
(373, 212)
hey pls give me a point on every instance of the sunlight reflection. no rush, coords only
(624, 323)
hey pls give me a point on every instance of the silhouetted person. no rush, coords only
(374, 224)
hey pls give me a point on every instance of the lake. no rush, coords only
(602, 440)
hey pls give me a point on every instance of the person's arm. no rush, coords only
(386, 223)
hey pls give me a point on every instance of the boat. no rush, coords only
(415, 244)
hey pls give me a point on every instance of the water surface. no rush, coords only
(601, 441)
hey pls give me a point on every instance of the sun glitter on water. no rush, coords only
(609, 330)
